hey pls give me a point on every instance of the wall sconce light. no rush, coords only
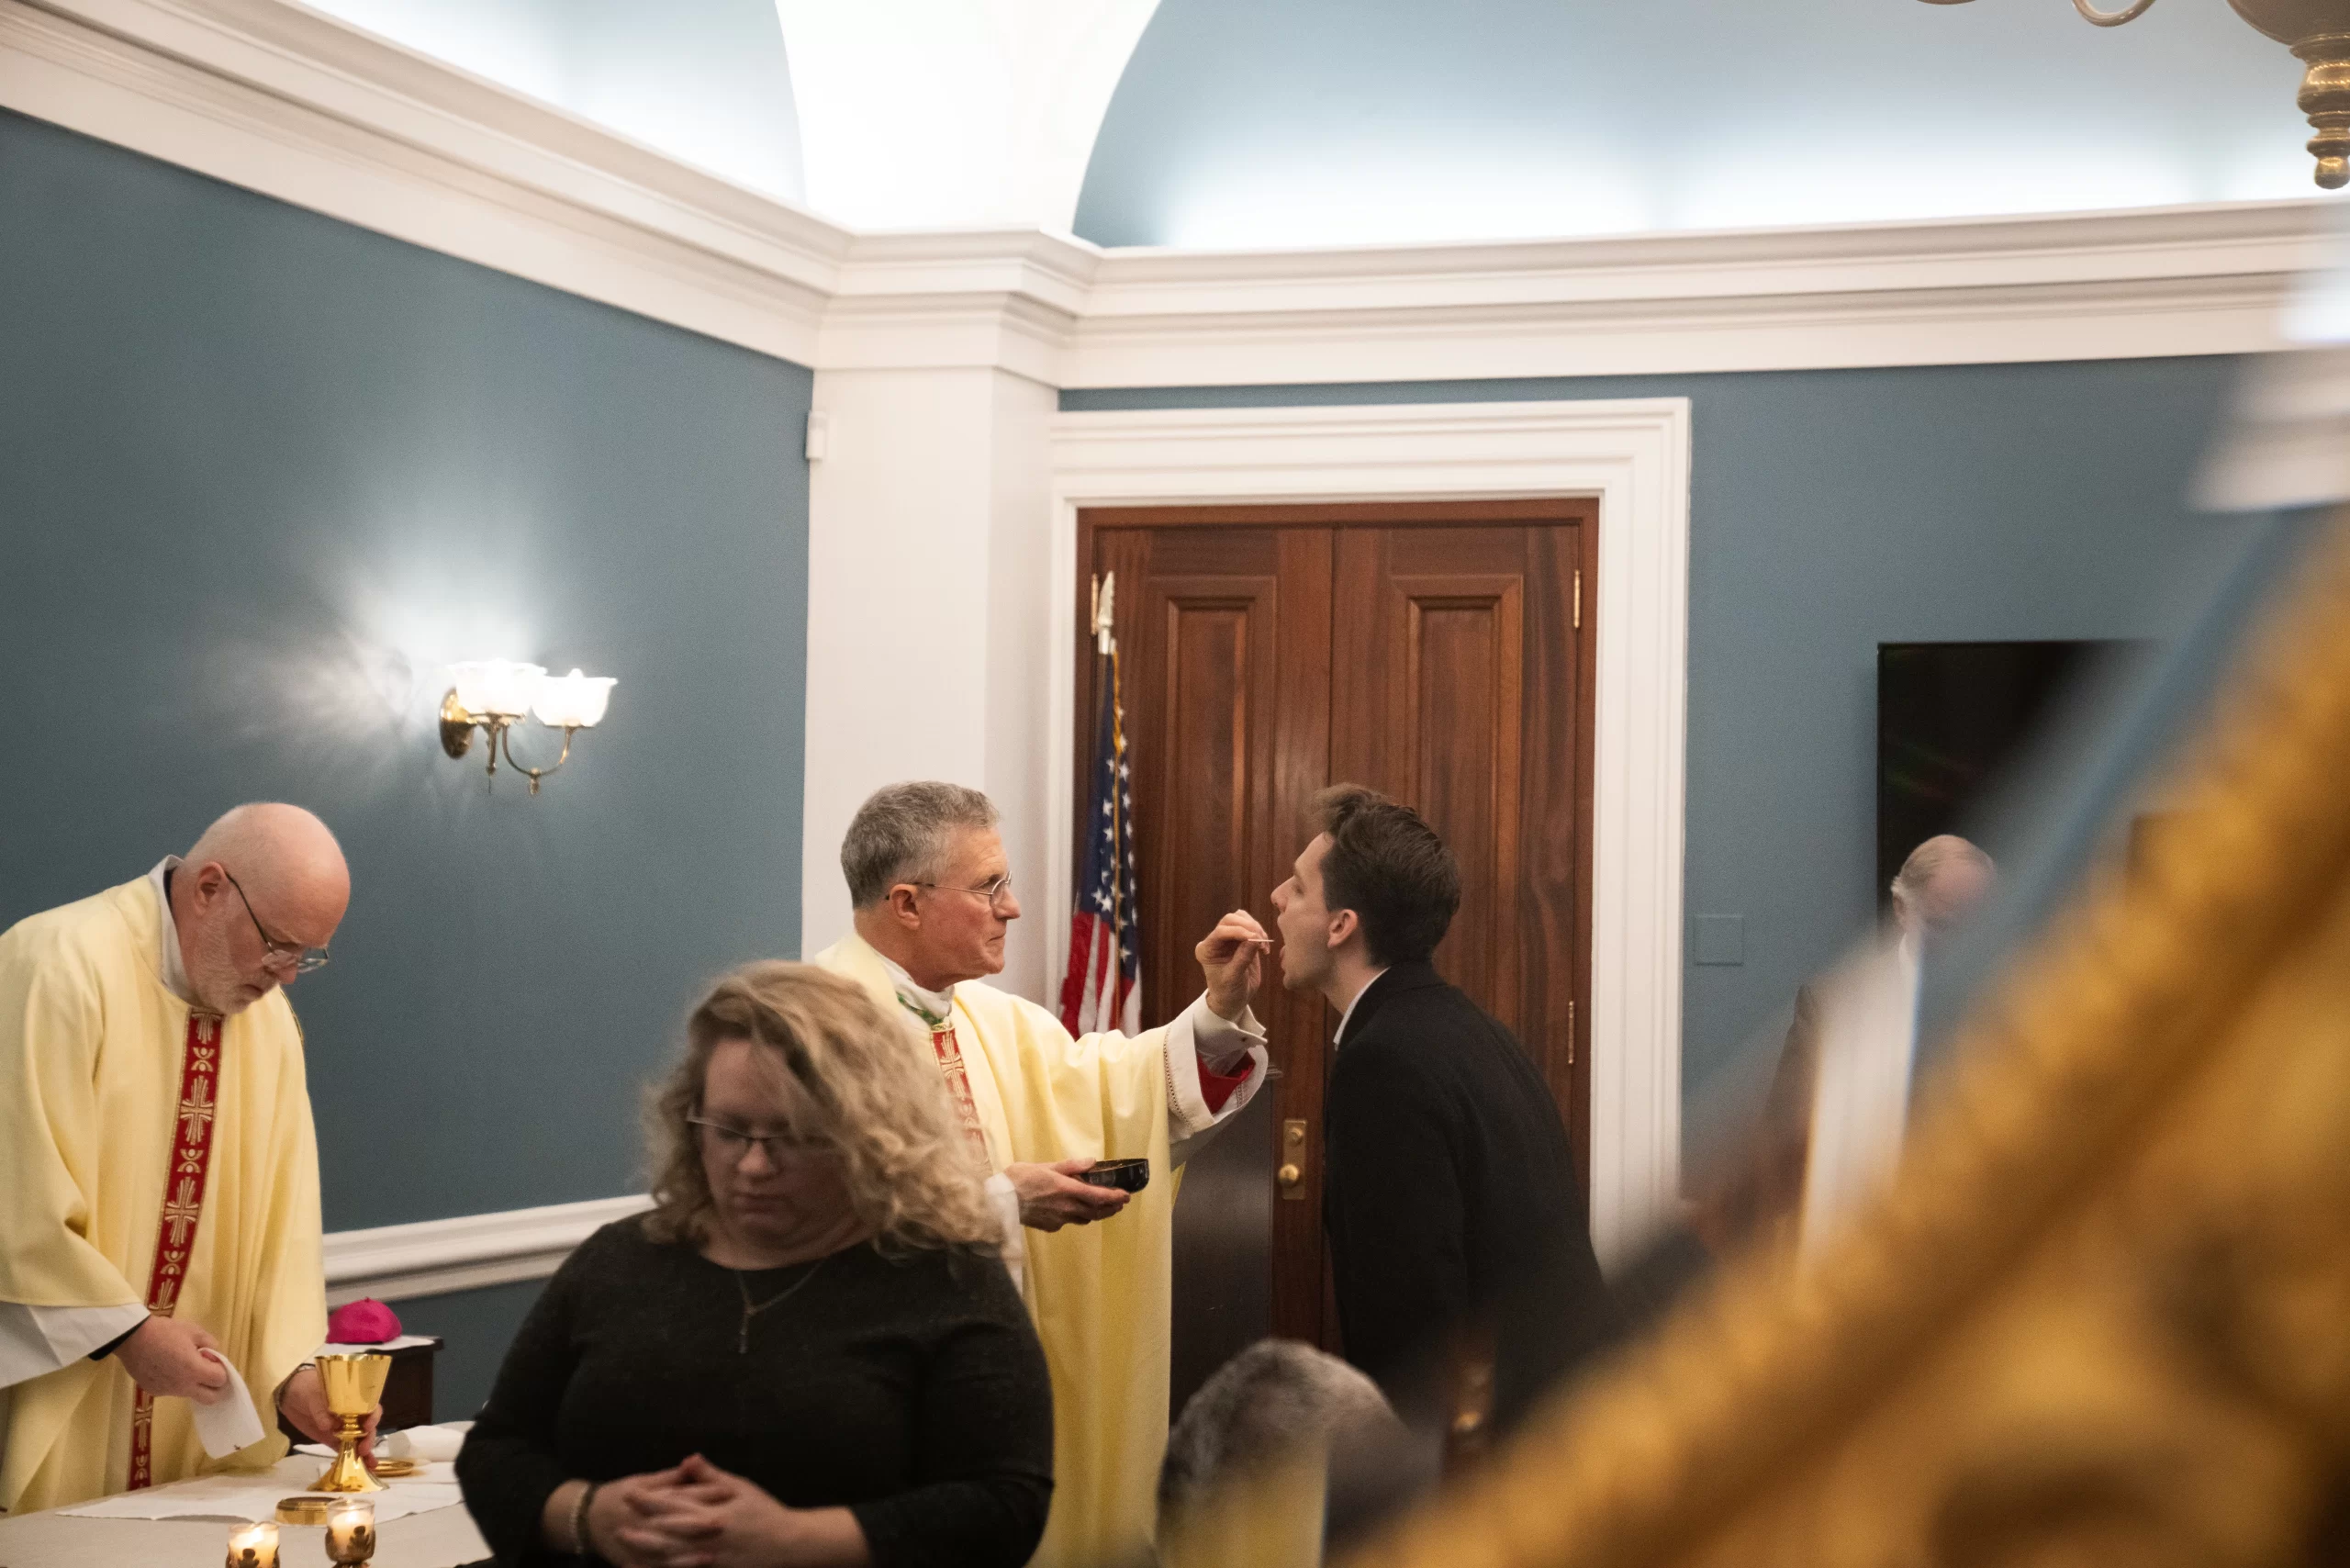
(492, 695)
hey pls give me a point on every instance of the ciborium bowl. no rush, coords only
(354, 1386)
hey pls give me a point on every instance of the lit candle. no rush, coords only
(253, 1546)
(350, 1530)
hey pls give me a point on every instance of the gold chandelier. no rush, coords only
(2318, 32)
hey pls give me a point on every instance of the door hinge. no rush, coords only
(1570, 1033)
(1578, 599)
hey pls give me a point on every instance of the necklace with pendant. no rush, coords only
(743, 1339)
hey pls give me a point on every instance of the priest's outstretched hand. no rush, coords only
(1051, 1196)
(1233, 959)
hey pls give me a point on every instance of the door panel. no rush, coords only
(1456, 688)
(1224, 639)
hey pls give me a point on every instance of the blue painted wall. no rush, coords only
(262, 474)
(1239, 123)
(1833, 510)
(475, 1328)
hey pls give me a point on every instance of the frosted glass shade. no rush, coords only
(497, 688)
(574, 701)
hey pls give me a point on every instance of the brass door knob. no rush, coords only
(1291, 1176)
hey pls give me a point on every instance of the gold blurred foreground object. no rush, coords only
(310, 1509)
(2102, 1315)
(354, 1386)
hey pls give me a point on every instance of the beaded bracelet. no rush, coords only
(579, 1543)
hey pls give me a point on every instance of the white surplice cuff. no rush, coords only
(1196, 1034)
(35, 1340)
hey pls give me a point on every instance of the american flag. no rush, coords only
(1102, 986)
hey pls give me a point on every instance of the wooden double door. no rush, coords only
(1434, 651)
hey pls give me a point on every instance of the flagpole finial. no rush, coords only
(1105, 593)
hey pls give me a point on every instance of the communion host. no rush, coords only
(1457, 1230)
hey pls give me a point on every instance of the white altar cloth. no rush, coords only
(439, 1534)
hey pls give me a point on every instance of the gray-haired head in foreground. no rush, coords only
(902, 833)
(1276, 1401)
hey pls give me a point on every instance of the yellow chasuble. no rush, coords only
(91, 1051)
(1099, 1293)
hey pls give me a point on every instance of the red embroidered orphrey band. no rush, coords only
(949, 1051)
(183, 1187)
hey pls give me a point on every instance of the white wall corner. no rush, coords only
(925, 616)
(1020, 592)
(1634, 457)
(944, 114)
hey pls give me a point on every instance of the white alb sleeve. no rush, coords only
(35, 1340)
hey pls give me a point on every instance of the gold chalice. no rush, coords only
(355, 1387)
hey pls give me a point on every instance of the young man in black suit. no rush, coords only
(1456, 1223)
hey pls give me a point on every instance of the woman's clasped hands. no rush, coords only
(698, 1516)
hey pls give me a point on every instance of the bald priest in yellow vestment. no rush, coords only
(159, 1177)
(933, 895)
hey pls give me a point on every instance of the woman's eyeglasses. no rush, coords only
(730, 1144)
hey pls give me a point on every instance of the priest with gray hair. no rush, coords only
(1038, 1108)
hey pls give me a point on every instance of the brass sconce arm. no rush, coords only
(457, 727)
(2098, 19)
(492, 696)
(506, 736)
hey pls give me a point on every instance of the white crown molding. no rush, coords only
(1634, 456)
(301, 106)
(280, 99)
(2119, 285)
(434, 1257)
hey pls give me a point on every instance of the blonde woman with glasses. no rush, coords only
(807, 1353)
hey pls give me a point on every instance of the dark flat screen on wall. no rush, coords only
(1950, 718)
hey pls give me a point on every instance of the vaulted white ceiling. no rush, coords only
(1245, 123)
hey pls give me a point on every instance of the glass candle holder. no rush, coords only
(253, 1546)
(350, 1530)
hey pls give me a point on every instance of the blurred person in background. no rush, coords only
(1832, 1124)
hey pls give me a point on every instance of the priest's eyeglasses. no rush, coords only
(730, 1144)
(278, 954)
(995, 891)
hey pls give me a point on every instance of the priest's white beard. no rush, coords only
(212, 973)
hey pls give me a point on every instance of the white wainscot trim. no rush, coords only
(305, 108)
(435, 1257)
(1633, 456)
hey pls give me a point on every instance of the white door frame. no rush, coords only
(1633, 455)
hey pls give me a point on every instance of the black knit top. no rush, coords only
(911, 1389)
